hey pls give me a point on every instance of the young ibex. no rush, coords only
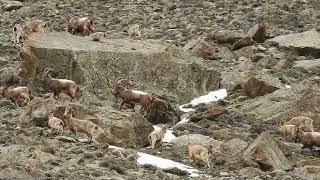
(77, 125)
(57, 86)
(55, 123)
(288, 130)
(308, 139)
(133, 97)
(83, 25)
(157, 136)
(300, 121)
(17, 94)
(134, 30)
(17, 33)
(35, 25)
(198, 152)
(97, 36)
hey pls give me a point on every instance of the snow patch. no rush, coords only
(168, 137)
(287, 86)
(162, 163)
(165, 163)
(210, 97)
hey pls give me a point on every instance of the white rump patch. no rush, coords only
(139, 92)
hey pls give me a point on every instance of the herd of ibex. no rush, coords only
(298, 128)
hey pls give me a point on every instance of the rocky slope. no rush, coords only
(188, 49)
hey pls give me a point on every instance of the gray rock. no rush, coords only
(148, 65)
(265, 154)
(196, 139)
(250, 172)
(312, 66)
(66, 139)
(305, 43)
(286, 103)
(258, 33)
(234, 146)
(12, 5)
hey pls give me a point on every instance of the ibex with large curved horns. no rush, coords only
(58, 86)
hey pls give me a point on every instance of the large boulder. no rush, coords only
(125, 129)
(205, 50)
(305, 43)
(121, 128)
(299, 100)
(12, 5)
(96, 67)
(311, 66)
(185, 140)
(254, 83)
(265, 154)
(258, 33)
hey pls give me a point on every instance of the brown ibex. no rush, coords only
(16, 94)
(57, 86)
(133, 97)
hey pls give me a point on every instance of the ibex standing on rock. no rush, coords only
(35, 26)
(133, 97)
(77, 125)
(57, 86)
(157, 136)
(83, 25)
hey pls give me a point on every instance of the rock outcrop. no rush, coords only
(306, 43)
(265, 154)
(97, 66)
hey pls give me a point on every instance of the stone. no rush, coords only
(265, 154)
(310, 66)
(40, 117)
(305, 43)
(232, 81)
(211, 114)
(268, 62)
(247, 41)
(9, 76)
(223, 36)
(234, 146)
(12, 5)
(204, 50)
(124, 129)
(246, 66)
(310, 171)
(250, 172)
(185, 140)
(163, 110)
(301, 99)
(66, 139)
(257, 33)
(88, 63)
(259, 86)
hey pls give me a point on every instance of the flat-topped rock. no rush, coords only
(312, 66)
(147, 64)
(306, 43)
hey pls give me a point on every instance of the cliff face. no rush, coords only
(97, 66)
